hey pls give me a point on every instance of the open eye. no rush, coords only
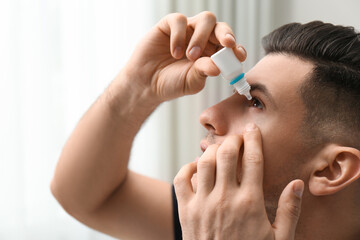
(254, 102)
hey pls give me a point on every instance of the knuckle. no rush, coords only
(224, 24)
(227, 152)
(178, 180)
(253, 158)
(177, 17)
(293, 210)
(205, 163)
(247, 202)
(209, 15)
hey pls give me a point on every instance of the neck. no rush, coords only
(333, 217)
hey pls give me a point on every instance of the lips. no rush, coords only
(203, 145)
(209, 139)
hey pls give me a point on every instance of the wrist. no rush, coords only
(128, 99)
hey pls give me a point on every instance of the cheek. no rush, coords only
(281, 139)
(282, 153)
(237, 124)
(250, 115)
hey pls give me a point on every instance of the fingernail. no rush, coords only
(298, 189)
(228, 35)
(194, 52)
(178, 52)
(250, 127)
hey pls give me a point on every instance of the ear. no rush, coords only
(334, 168)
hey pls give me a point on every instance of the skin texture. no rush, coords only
(93, 183)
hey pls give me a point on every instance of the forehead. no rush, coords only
(282, 75)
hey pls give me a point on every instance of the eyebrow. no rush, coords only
(264, 90)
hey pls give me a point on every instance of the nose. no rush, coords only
(215, 119)
(227, 116)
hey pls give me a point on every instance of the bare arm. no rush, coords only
(92, 181)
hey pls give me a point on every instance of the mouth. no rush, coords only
(207, 141)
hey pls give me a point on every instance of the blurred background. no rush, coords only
(57, 57)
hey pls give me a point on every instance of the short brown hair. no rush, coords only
(331, 94)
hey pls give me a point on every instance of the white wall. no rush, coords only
(345, 12)
(56, 57)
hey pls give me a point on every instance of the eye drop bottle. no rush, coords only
(232, 70)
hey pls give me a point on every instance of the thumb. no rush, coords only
(197, 74)
(288, 212)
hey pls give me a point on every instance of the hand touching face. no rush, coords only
(224, 207)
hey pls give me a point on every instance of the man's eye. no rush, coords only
(254, 102)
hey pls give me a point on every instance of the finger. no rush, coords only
(223, 35)
(175, 25)
(252, 162)
(197, 74)
(203, 24)
(206, 170)
(240, 52)
(226, 161)
(182, 182)
(289, 209)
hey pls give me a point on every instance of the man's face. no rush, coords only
(277, 109)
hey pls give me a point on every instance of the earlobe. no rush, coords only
(335, 167)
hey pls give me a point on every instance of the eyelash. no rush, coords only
(255, 101)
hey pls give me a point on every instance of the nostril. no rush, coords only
(208, 126)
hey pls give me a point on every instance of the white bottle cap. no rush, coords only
(232, 70)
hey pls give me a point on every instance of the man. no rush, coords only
(305, 101)
(304, 92)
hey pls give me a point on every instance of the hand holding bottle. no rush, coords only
(173, 59)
